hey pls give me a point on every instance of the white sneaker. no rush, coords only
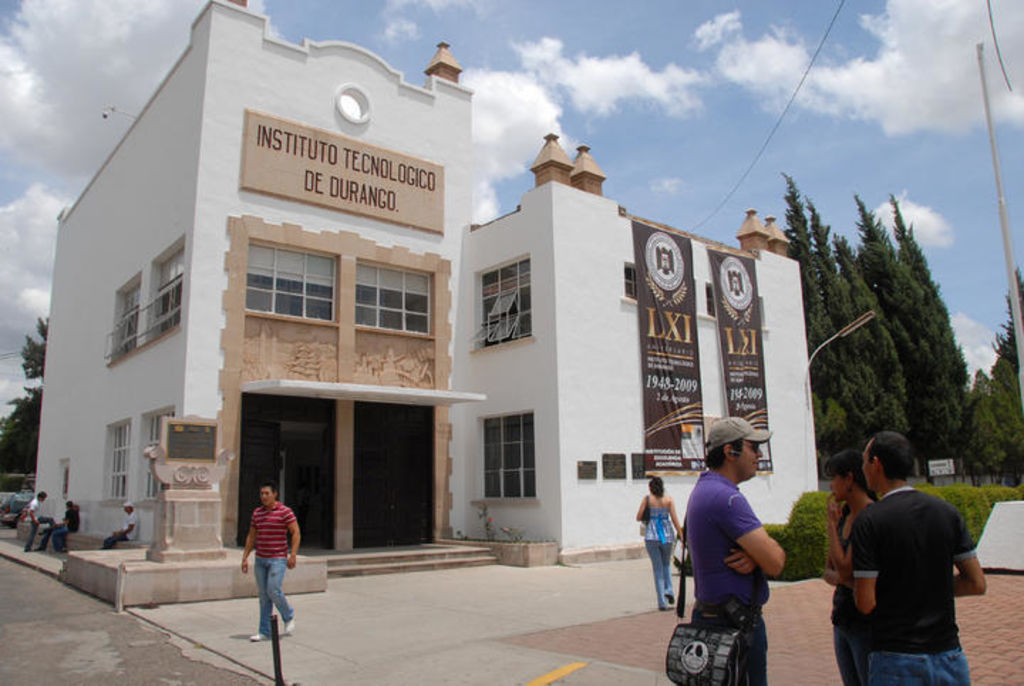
(256, 638)
(289, 627)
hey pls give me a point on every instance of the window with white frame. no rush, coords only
(509, 466)
(290, 283)
(119, 442)
(505, 296)
(392, 299)
(629, 280)
(152, 423)
(166, 313)
(124, 338)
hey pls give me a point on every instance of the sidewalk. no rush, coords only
(510, 625)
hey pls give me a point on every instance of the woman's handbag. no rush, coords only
(645, 518)
(706, 655)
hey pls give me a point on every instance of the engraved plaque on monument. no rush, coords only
(189, 464)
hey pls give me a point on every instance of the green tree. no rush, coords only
(800, 250)
(939, 399)
(873, 391)
(996, 429)
(935, 375)
(1006, 340)
(19, 430)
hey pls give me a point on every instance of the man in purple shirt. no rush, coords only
(729, 548)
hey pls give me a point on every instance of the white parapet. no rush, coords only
(999, 547)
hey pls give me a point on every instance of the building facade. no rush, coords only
(282, 241)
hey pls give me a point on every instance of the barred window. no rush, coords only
(152, 421)
(509, 466)
(290, 283)
(629, 280)
(392, 299)
(119, 438)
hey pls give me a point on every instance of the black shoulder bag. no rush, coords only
(706, 655)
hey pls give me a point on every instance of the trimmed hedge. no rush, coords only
(805, 536)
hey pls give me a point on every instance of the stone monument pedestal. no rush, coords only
(187, 527)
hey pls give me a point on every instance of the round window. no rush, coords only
(353, 104)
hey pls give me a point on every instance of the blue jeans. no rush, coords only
(269, 572)
(919, 669)
(52, 531)
(110, 541)
(757, 651)
(661, 562)
(852, 648)
(60, 535)
(33, 528)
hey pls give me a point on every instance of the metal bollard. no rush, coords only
(276, 642)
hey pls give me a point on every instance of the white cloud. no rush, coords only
(923, 76)
(511, 115)
(598, 85)
(713, 32)
(930, 228)
(400, 29)
(667, 185)
(65, 60)
(976, 340)
(28, 230)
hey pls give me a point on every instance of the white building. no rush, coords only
(282, 241)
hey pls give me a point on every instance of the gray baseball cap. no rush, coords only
(729, 429)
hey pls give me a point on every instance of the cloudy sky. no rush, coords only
(675, 100)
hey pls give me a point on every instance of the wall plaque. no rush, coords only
(613, 465)
(586, 470)
(299, 162)
(191, 441)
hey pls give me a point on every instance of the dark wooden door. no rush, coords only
(393, 489)
(259, 462)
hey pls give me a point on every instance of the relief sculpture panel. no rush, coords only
(286, 350)
(393, 361)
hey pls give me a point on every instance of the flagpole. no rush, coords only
(1004, 222)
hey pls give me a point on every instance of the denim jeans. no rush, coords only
(269, 572)
(919, 669)
(60, 535)
(661, 562)
(52, 531)
(757, 651)
(852, 646)
(33, 528)
(110, 541)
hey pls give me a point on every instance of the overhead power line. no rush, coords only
(778, 122)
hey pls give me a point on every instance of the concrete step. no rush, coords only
(406, 567)
(393, 561)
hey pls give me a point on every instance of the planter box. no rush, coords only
(515, 554)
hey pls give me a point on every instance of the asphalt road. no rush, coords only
(53, 634)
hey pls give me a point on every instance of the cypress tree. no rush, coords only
(873, 391)
(940, 382)
(1006, 340)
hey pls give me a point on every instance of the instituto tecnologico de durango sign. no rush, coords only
(291, 160)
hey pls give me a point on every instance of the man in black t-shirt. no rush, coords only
(904, 549)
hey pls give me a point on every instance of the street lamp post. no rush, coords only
(842, 333)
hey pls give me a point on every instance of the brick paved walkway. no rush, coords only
(800, 636)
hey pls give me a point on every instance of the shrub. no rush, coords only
(804, 537)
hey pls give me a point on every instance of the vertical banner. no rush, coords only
(739, 338)
(669, 359)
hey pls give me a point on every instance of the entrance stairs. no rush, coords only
(365, 561)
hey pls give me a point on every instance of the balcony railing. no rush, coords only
(161, 314)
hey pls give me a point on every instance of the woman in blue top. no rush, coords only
(660, 538)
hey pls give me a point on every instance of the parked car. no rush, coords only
(13, 506)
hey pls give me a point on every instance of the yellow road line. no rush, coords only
(552, 677)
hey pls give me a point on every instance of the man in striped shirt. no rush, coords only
(271, 525)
